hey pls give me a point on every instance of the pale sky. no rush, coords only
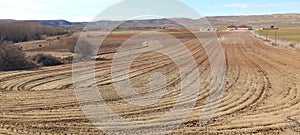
(87, 10)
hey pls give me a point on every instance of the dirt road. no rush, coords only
(261, 97)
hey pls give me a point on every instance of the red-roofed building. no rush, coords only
(231, 27)
(243, 27)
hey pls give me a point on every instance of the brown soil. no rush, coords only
(261, 96)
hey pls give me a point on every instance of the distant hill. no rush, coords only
(55, 22)
(7, 20)
(280, 20)
(256, 21)
(47, 22)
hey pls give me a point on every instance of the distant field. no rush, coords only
(292, 35)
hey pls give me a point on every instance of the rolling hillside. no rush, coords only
(281, 20)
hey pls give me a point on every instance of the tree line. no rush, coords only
(26, 31)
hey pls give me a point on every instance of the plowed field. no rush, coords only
(262, 93)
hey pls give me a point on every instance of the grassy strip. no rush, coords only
(292, 35)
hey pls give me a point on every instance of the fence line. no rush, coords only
(273, 41)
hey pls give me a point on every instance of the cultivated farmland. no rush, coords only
(261, 95)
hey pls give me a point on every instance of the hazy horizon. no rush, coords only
(87, 10)
(137, 19)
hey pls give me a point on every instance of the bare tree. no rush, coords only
(25, 31)
(12, 58)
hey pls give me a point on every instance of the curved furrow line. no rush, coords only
(270, 114)
(285, 99)
(237, 109)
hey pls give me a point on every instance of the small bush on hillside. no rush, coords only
(46, 60)
(293, 45)
(69, 58)
(12, 58)
(83, 49)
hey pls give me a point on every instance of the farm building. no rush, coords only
(231, 27)
(244, 27)
(208, 29)
(270, 28)
(241, 27)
